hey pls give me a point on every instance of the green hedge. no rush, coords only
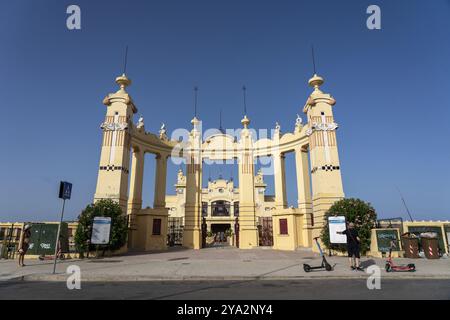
(357, 211)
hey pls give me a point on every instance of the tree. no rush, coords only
(362, 214)
(102, 208)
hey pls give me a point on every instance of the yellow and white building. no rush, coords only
(318, 173)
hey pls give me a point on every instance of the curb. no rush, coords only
(63, 278)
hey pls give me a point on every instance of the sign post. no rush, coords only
(65, 191)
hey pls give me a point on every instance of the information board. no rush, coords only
(101, 230)
(335, 225)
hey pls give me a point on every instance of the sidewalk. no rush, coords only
(220, 263)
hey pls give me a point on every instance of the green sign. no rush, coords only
(384, 238)
(43, 238)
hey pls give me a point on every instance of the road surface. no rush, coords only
(248, 289)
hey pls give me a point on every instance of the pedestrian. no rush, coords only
(24, 244)
(353, 247)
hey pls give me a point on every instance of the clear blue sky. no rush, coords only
(391, 87)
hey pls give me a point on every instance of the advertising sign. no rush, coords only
(335, 225)
(385, 238)
(101, 230)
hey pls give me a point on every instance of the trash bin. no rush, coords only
(430, 247)
(411, 247)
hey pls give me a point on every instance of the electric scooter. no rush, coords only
(325, 265)
(391, 267)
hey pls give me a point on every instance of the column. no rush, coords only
(136, 180)
(304, 200)
(160, 182)
(280, 180)
(323, 150)
(208, 210)
(112, 179)
(192, 227)
(135, 196)
(248, 237)
(192, 236)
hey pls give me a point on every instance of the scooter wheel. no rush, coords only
(388, 267)
(307, 267)
(328, 267)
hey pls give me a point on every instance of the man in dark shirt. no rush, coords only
(352, 246)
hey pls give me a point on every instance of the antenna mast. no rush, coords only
(404, 203)
(313, 59)
(125, 60)
(195, 101)
(220, 122)
(244, 90)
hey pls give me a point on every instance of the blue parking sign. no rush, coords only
(65, 190)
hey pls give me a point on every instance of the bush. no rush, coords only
(362, 214)
(102, 208)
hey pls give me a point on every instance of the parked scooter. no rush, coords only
(325, 265)
(391, 267)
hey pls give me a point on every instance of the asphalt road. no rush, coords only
(256, 290)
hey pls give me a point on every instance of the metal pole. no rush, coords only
(57, 236)
(9, 242)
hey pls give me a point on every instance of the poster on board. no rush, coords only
(337, 224)
(101, 229)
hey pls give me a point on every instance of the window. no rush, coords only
(204, 209)
(236, 209)
(156, 227)
(283, 226)
(220, 208)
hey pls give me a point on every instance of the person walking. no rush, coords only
(353, 247)
(24, 244)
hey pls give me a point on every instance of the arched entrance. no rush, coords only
(319, 182)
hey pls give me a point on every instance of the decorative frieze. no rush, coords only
(321, 126)
(114, 126)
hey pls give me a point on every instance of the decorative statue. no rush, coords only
(298, 121)
(277, 126)
(180, 178)
(162, 132)
(259, 177)
(140, 122)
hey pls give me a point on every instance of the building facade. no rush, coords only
(220, 208)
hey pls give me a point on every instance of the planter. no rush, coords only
(209, 240)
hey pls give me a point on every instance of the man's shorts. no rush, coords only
(353, 251)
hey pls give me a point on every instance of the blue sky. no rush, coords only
(391, 87)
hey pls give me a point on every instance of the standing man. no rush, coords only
(24, 244)
(353, 248)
